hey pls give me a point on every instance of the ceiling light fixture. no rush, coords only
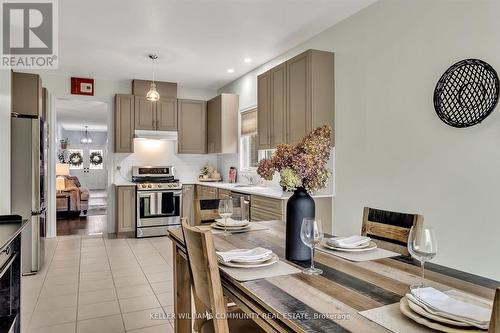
(86, 140)
(247, 60)
(230, 70)
(153, 94)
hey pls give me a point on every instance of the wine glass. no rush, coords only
(311, 234)
(225, 211)
(422, 245)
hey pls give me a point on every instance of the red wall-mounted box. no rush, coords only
(80, 86)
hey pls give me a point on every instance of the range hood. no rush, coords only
(156, 135)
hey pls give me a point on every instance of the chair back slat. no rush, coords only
(390, 230)
(495, 314)
(207, 210)
(205, 275)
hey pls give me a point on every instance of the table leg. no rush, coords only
(182, 292)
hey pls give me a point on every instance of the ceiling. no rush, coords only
(74, 115)
(196, 40)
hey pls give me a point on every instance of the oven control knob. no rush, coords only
(159, 185)
(150, 186)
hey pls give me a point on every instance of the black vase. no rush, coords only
(299, 206)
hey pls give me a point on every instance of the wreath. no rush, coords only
(95, 158)
(75, 159)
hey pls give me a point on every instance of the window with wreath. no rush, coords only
(75, 159)
(96, 159)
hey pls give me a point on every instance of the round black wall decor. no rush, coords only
(466, 93)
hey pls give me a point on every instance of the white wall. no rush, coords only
(392, 151)
(5, 86)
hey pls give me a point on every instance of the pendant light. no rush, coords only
(153, 94)
(86, 140)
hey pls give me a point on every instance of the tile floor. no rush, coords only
(96, 284)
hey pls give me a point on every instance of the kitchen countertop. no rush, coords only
(270, 192)
(9, 230)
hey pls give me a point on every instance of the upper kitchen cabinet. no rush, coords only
(295, 97)
(310, 100)
(264, 110)
(192, 126)
(222, 124)
(166, 114)
(27, 94)
(278, 105)
(165, 89)
(145, 113)
(124, 123)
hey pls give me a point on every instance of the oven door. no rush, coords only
(160, 207)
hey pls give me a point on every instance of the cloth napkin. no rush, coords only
(243, 254)
(443, 305)
(232, 223)
(348, 242)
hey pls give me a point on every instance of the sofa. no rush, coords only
(78, 197)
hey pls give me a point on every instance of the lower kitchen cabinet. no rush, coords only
(125, 208)
(224, 194)
(206, 192)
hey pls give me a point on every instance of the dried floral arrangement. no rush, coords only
(302, 164)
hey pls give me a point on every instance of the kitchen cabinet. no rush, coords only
(295, 97)
(310, 93)
(27, 94)
(188, 202)
(192, 126)
(222, 124)
(257, 214)
(206, 192)
(165, 89)
(166, 114)
(125, 209)
(264, 111)
(145, 113)
(278, 105)
(161, 115)
(224, 194)
(124, 123)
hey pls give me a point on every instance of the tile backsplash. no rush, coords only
(161, 152)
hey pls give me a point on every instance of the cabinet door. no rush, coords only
(263, 110)
(224, 194)
(166, 114)
(214, 107)
(26, 94)
(125, 209)
(257, 214)
(278, 105)
(192, 127)
(298, 98)
(145, 114)
(124, 124)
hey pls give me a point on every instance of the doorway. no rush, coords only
(81, 166)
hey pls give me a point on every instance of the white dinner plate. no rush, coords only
(232, 223)
(255, 261)
(421, 311)
(274, 259)
(219, 227)
(371, 246)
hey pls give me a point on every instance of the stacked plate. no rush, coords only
(247, 258)
(231, 225)
(440, 311)
(350, 244)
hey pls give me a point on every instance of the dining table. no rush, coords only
(330, 302)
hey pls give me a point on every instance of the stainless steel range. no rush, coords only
(159, 200)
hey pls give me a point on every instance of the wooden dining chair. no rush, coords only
(388, 229)
(495, 314)
(207, 287)
(207, 210)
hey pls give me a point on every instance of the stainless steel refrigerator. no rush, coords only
(28, 186)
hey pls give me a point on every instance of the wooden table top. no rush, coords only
(330, 302)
